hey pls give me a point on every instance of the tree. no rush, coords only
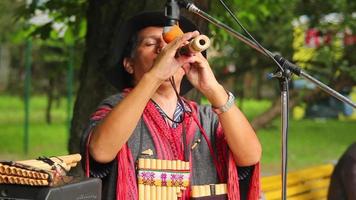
(8, 27)
(57, 29)
(331, 61)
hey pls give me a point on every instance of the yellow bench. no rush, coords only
(309, 183)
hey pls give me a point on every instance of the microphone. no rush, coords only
(172, 13)
(172, 30)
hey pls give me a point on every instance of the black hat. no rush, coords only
(116, 74)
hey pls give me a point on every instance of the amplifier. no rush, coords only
(77, 189)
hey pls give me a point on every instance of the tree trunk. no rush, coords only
(264, 119)
(104, 19)
(5, 59)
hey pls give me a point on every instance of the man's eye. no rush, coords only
(151, 43)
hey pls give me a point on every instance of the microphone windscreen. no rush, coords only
(171, 32)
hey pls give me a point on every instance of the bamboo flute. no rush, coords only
(164, 187)
(147, 165)
(153, 188)
(141, 186)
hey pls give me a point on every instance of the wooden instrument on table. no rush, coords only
(41, 172)
(162, 179)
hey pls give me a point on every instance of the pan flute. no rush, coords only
(162, 179)
(217, 191)
(43, 172)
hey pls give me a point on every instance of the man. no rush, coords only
(343, 179)
(150, 118)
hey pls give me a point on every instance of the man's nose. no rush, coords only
(160, 46)
(159, 49)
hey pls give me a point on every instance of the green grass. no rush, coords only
(44, 139)
(252, 108)
(311, 142)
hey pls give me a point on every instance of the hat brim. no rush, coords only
(115, 73)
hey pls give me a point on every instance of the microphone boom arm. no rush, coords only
(292, 67)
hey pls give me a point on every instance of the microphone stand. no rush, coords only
(283, 75)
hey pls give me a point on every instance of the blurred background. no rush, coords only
(51, 72)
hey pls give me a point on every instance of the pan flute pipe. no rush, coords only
(16, 175)
(16, 171)
(66, 162)
(37, 172)
(162, 179)
(208, 190)
(5, 179)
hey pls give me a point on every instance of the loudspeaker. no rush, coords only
(78, 189)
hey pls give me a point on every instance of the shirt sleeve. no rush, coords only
(91, 167)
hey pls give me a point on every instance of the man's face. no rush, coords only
(149, 44)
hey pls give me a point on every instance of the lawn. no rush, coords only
(311, 142)
(44, 139)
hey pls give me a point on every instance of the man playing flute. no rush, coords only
(150, 118)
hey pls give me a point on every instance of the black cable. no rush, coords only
(180, 101)
(184, 132)
(165, 115)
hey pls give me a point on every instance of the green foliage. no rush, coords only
(55, 23)
(272, 23)
(68, 14)
(57, 29)
(332, 62)
(8, 23)
(269, 22)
